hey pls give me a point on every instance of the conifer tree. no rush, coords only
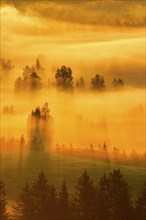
(3, 202)
(63, 204)
(141, 204)
(83, 200)
(40, 193)
(24, 208)
(52, 211)
(116, 196)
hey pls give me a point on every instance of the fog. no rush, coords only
(81, 118)
(109, 47)
(64, 127)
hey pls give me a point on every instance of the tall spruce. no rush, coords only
(116, 197)
(24, 208)
(52, 211)
(3, 202)
(83, 199)
(40, 193)
(63, 203)
(141, 204)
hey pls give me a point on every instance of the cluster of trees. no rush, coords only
(43, 112)
(33, 77)
(40, 125)
(117, 83)
(30, 77)
(110, 199)
(98, 82)
(8, 109)
(80, 83)
(64, 78)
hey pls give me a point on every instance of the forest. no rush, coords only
(109, 199)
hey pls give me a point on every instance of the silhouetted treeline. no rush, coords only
(109, 199)
(33, 77)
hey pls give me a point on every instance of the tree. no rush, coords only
(40, 128)
(52, 203)
(63, 203)
(83, 199)
(64, 78)
(80, 83)
(38, 66)
(102, 199)
(40, 193)
(28, 70)
(6, 65)
(3, 202)
(98, 82)
(30, 78)
(141, 204)
(117, 83)
(22, 140)
(115, 196)
(24, 207)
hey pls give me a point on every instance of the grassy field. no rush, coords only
(58, 167)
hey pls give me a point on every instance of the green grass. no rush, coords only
(58, 167)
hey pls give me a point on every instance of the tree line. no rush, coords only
(32, 78)
(109, 199)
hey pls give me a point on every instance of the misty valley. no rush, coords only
(72, 126)
(64, 128)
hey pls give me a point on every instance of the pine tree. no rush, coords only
(141, 204)
(24, 209)
(103, 199)
(116, 196)
(83, 199)
(64, 209)
(3, 202)
(52, 203)
(40, 192)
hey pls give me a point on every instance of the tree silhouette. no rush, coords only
(110, 200)
(8, 110)
(116, 196)
(102, 199)
(63, 203)
(6, 65)
(83, 199)
(40, 193)
(3, 202)
(80, 83)
(30, 79)
(24, 207)
(117, 83)
(38, 66)
(97, 82)
(52, 203)
(64, 78)
(28, 70)
(40, 124)
(141, 204)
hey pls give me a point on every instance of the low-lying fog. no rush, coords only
(81, 118)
